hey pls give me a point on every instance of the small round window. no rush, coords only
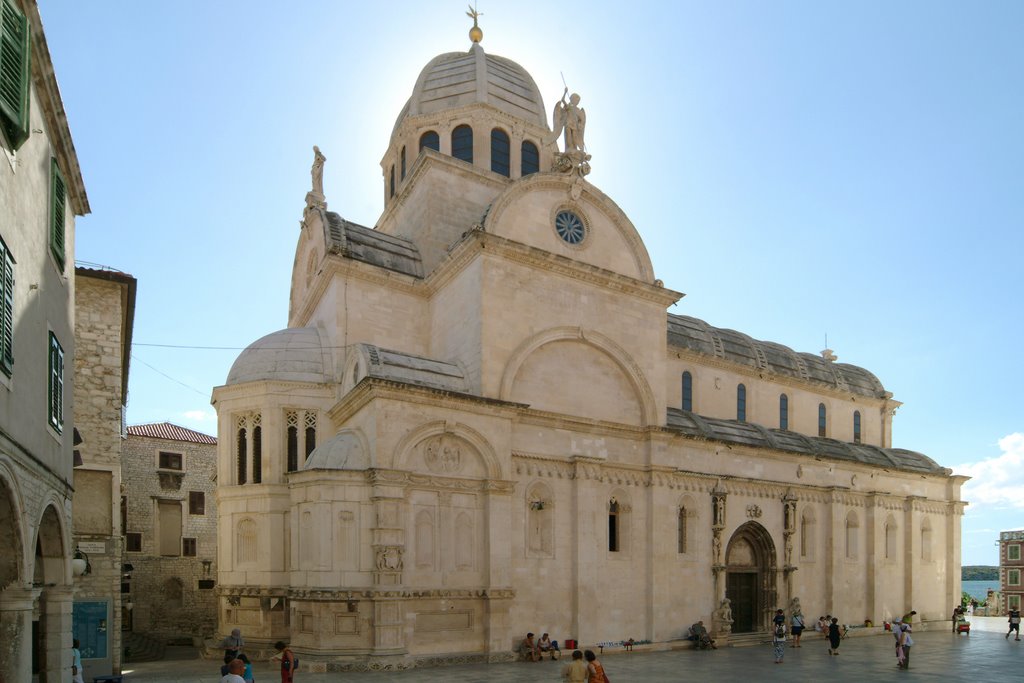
(570, 227)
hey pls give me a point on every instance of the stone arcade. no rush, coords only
(481, 421)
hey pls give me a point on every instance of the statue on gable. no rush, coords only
(569, 117)
(315, 198)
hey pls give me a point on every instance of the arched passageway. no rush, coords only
(750, 581)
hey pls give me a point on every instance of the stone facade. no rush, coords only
(173, 594)
(41, 192)
(104, 317)
(1011, 570)
(481, 421)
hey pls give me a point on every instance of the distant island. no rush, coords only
(979, 573)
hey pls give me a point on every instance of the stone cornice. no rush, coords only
(529, 465)
(228, 392)
(323, 594)
(478, 241)
(370, 388)
(59, 133)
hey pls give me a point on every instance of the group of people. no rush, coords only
(237, 667)
(584, 668)
(534, 650)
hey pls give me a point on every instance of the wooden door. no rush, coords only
(741, 589)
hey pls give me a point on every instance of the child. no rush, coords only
(834, 636)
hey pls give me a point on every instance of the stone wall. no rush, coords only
(167, 600)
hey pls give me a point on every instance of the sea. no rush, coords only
(979, 589)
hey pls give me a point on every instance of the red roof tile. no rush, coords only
(165, 430)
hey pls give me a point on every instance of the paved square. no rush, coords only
(936, 655)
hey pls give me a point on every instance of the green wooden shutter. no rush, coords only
(7, 312)
(56, 388)
(15, 74)
(58, 197)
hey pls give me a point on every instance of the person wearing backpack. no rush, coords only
(289, 662)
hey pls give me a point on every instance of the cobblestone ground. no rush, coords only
(937, 655)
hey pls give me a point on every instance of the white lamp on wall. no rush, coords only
(80, 563)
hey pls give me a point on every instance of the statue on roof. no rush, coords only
(475, 33)
(569, 117)
(318, 171)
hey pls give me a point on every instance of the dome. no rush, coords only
(291, 355)
(343, 452)
(457, 79)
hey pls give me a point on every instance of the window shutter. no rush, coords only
(7, 312)
(14, 73)
(58, 196)
(56, 384)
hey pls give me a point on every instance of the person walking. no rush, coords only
(287, 658)
(76, 662)
(595, 672)
(905, 644)
(1014, 621)
(796, 627)
(834, 636)
(779, 639)
(897, 633)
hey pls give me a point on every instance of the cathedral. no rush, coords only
(482, 421)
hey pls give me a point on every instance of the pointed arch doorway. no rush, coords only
(750, 579)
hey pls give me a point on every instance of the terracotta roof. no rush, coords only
(165, 430)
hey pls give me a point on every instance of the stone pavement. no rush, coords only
(936, 655)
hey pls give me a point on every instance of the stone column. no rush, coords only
(16, 634)
(911, 550)
(55, 604)
(387, 538)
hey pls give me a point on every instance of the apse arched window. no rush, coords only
(856, 426)
(681, 532)
(821, 420)
(391, 183)
(402, 156)
(614, 541)
(741, 403)
(530, 158)
(783, 412)
(240, 454)
(687, 391)
(462, 143)
(500, 150)
(257, 454)
(430, 140)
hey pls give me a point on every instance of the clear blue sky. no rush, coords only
(797, 168)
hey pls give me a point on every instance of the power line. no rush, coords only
(205, 394)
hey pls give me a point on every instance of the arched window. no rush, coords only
(890, 538)
(856, 426)
(783, 412)
(821, 420)
(807, 534)
(681, 537)
(926, 540)
(246, 549)
(613, 526)
(741, 403)
(242, 448)
(462, 143)
(391, 183)
(852, 535)
(257, 454)
(530, 158)
(500, 150)
(430, 140)
(403, 162)
(687, 391)
(310, 432)
(293, 444)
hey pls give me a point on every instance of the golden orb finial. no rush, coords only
(475, 33)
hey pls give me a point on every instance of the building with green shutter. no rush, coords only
(41, 192)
